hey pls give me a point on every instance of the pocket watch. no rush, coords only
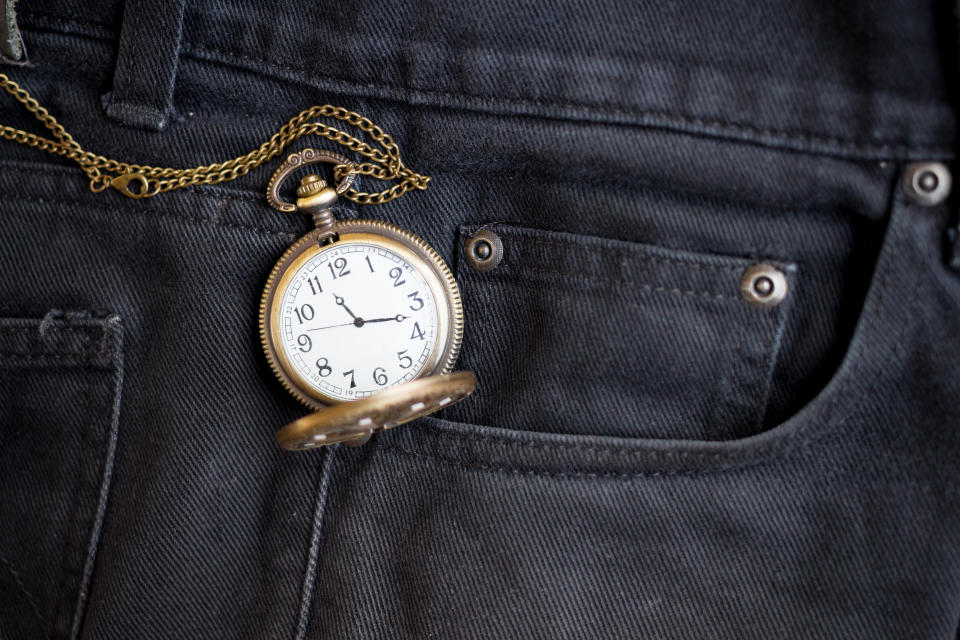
(360, 320)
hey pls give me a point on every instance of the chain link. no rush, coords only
(385, 164)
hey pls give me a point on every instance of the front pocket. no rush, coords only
(60, 382)
(583, 335)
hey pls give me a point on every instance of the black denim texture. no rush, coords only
(646, 455)
(61, 378)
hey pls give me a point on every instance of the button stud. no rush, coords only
(927, 183)
(763, 286)
(483, 250)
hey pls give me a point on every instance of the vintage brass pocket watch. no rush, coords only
(353, 312)
(360, 320)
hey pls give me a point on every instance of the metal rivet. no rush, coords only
(927, 183)
(763, 285)
(483, 250)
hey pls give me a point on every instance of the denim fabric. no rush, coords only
(646, 455)
(61, 379)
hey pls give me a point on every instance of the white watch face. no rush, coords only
(357, 318)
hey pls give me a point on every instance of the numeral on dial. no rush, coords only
(369, 264)
(304, 313)
(405, 361)
(396, 273)
(323, 365)
(417, 301)
(417, 331)
(305, 342)
(339, 265)
(314, 282)
(380, 376)
(352, 381)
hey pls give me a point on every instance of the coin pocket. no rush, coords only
(585, 335)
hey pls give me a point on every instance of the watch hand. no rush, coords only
(345, 324)
(359, 322)
(398, 318)
(345, 307)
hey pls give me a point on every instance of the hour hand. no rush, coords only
(345, 307)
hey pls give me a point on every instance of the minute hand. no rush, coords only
(359, 322)
(397, 318)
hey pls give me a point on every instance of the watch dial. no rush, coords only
(357, 318)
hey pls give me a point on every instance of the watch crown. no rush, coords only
(310, 185)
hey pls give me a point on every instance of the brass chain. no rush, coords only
(104, 172)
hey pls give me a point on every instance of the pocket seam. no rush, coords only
(620, 253)
(504, 441)
(95, 331)
(594, 475)
(632, 285)
(22, 359)
(23, 589)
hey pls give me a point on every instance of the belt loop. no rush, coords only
(146, 67)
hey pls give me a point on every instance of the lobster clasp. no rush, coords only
(122, 184)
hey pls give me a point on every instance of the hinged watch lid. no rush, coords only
(354, 422)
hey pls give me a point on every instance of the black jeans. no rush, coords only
(647, 455)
